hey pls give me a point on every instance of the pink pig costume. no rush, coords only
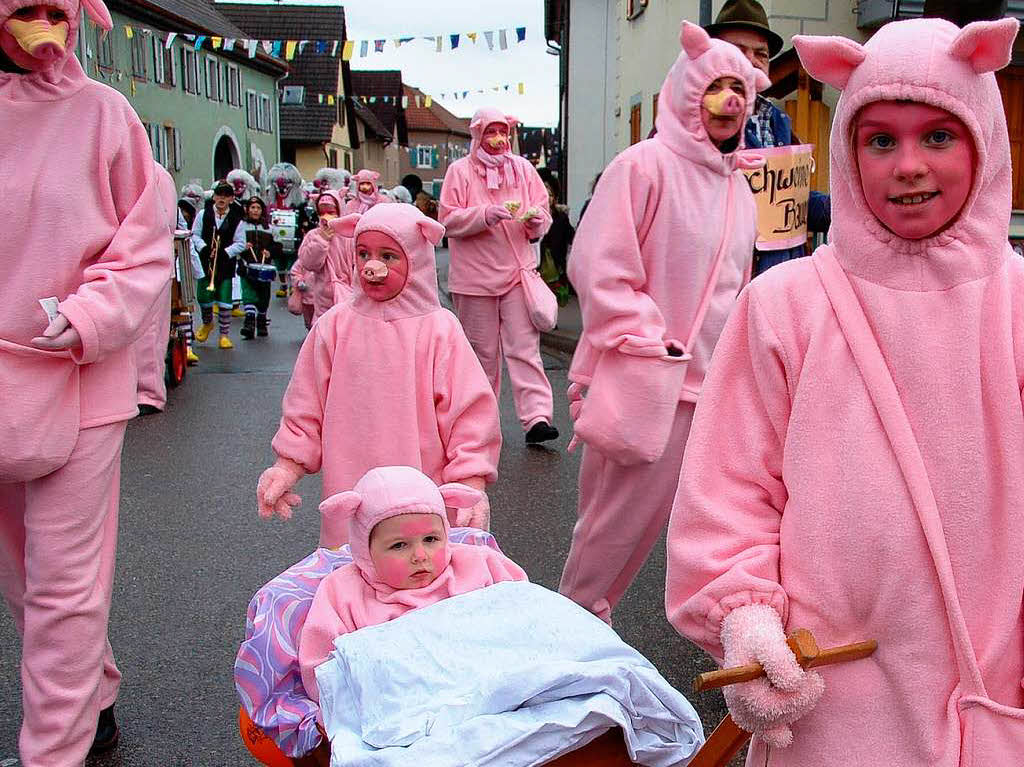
(484, 274)
(150, 350)
(390, 382)
(791, 494)
(640, 267)
(354, 596)
(360, 203)
(329, 259)
(63, 414)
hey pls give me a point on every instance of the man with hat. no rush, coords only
(218, 237)
(744, 23)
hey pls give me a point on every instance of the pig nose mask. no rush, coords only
(40, 38)
(380, 281)
(725, 103)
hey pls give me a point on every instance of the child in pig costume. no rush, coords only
(494, 205)
(854, 463)
(386, 378)
(367, 192)
(644, 265)
(328, 256)
(67, 389)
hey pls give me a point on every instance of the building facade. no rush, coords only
(437, 138)
(206, 111)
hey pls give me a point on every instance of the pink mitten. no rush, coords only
(496, 213)
(478, 515)
(766, 706)
(273, 491)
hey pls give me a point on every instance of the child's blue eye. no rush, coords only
(431, 539)
(940, 137)
(881, 141)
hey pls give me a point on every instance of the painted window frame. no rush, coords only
(251, 109)
(104, 45)
(138, 55)
(264, 117)
(233, 76)
(211, 69)
(190, 70)
(420, 148)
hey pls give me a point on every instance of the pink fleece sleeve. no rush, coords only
(299, 437)
(323, 625)
(119, 288)
(459, 216)
(313, 251)
(723, 537)
(467, 412)
(607, 265)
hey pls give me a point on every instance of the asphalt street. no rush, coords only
(192, 551)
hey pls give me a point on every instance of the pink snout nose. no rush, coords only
(374, 271)
(733, 105)
(47, 52)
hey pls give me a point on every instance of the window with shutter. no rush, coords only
(435, 157)
(159, 72)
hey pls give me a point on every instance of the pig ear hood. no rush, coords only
(933, 62)
(386, 492)
(701, 61)
(481, 119)
(417, 235)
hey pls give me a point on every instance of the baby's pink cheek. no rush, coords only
(437, 560)
(394, 570)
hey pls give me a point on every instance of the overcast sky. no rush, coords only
(470, 67)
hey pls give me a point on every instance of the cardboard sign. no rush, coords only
(782, 188)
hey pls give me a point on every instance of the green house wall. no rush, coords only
(200, 121)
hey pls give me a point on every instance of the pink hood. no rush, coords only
(63, 76)
(701, 61)
(511, 174)
(417, 234)
(933, 62)
(387, 492)
(334, 195)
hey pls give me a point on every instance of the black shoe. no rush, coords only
(541, 431)
(248, 327)
(107, 732)
(262, 323)
(148, 409)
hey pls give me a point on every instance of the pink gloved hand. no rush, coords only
(59, 334)
(766, 706)
(496, 213)
(273, 491)
(478, 515)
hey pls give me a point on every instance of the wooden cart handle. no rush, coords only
(727, 676)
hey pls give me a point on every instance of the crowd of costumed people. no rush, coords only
(832, 445)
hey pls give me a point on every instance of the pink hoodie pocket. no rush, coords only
(41, 411)
(992, 733)
(628, 411)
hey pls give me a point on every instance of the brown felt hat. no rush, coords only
(745, 14)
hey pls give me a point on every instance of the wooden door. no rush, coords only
(1011, 86)
(634, 124)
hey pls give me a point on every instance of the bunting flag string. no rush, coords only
(288, 49)
(421, 100)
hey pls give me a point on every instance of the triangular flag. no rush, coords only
(364, 47)
(170, 39)
(131, 85)
(320, 47)
(129, 32)
(320, 98)
(229, 43)
(520, 34)
(455, 41)
(522, 88)
(216, 41)
(199, 42)
(417, 102)
(465, 93)
(489, 37)
(373, 99)
(289, 49)
(378, 46)
(268, 46)
(330, 99)
(398, 43)
(506, 87)
(471, 36)
(334, 49)
(250, 46)
(427, 102)
(346, 53)
(302, 46)
(502, 39)
(404, 40)
(439, 42)
(278, 45)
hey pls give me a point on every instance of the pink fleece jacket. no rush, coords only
(485, 260)
(106, 261)
(790, 493)
(330, 261)
(391, 382)
(641, 264)
(354, 596)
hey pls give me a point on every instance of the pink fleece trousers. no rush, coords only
(150, 351)
(58, 539)
(622, 511)
(500, 325)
